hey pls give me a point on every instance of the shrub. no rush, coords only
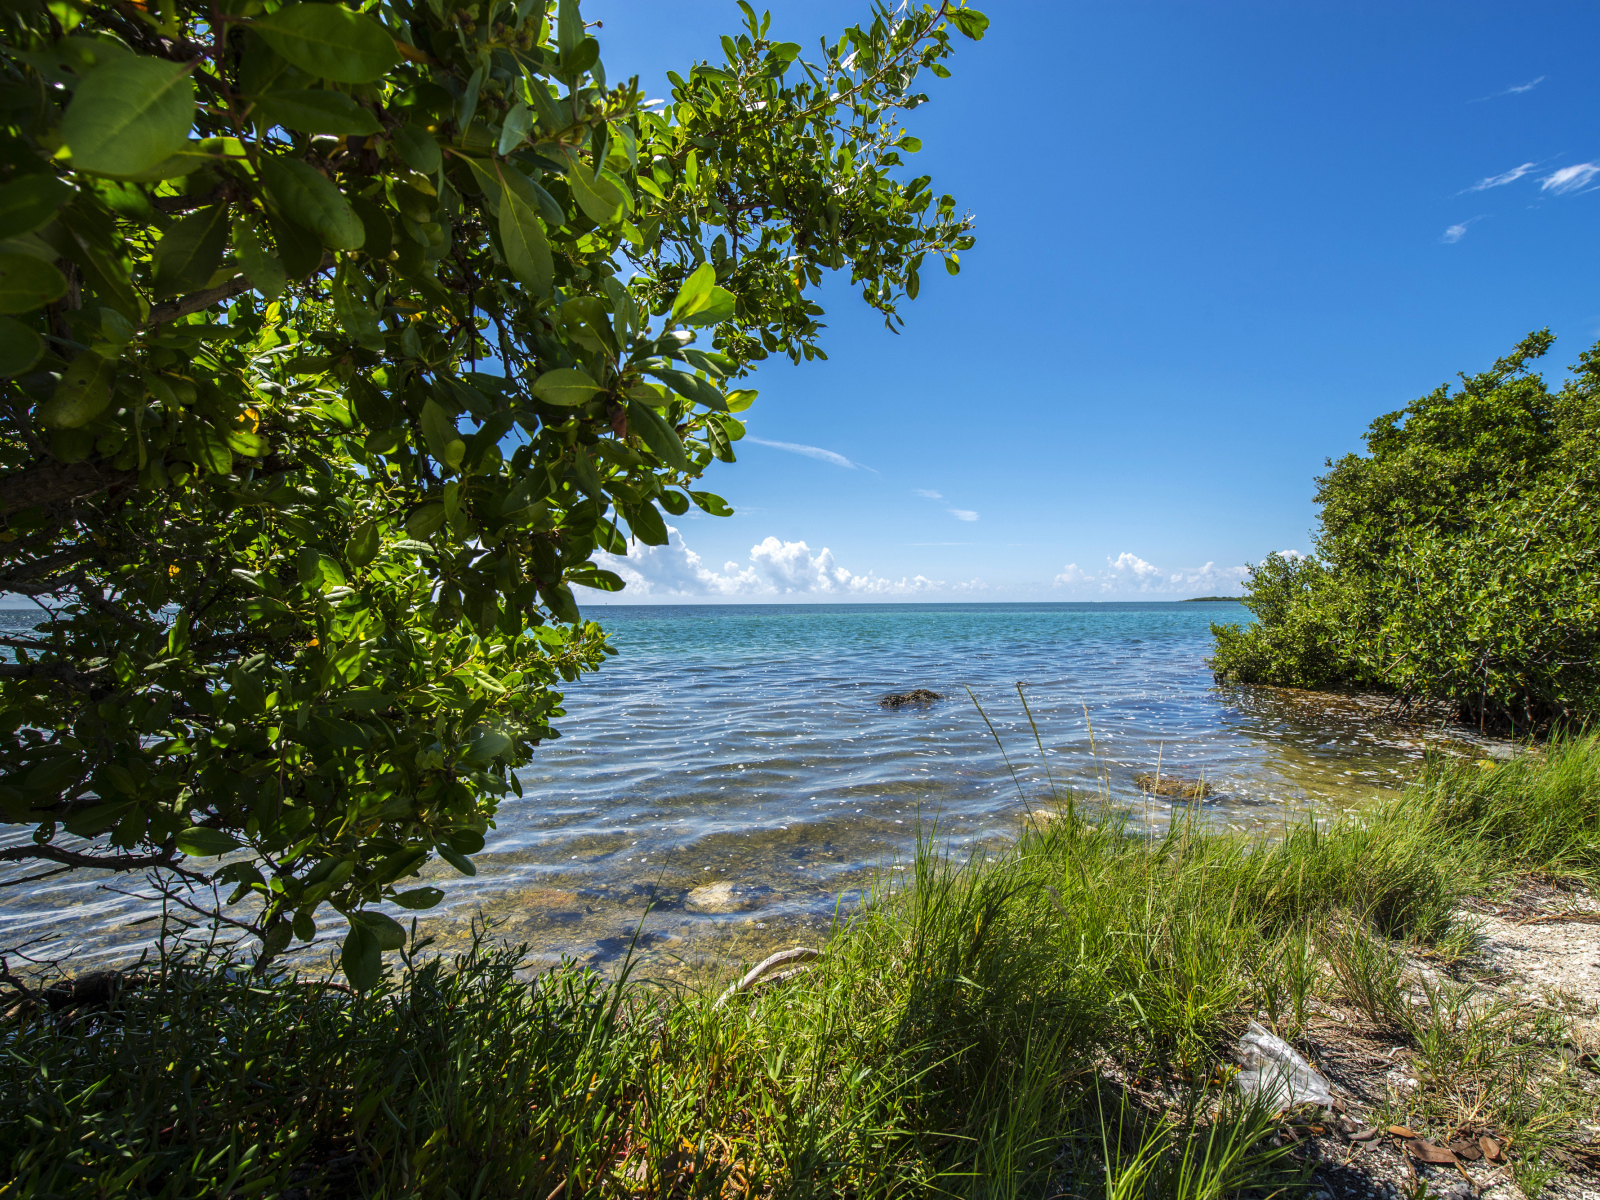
(1458, 560)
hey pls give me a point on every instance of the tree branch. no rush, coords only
(55, 483)
(110, 862)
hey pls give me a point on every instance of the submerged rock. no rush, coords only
(1174, 785)
(917, 696)
(726, 896)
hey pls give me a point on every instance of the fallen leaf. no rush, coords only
(1365, 1134)
(1402, 1131)
(1427, 1152)
(1491, 1149)
(1465, 1149)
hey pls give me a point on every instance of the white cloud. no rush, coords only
(928, 493)
(1516, 89)
(962, 514)
(775, 569)
(1131, 576)
(1500, 180)
(1569, 179)
(1455, 233)
(829, 456)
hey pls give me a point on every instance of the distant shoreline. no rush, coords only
(1211, 599)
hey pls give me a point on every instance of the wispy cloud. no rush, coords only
(829, 456)
(962, 514)
(1456, 232)
(1570, 179)
(1516, 89)
(928, 493)
(1500, 180)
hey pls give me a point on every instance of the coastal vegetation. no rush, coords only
(336, 344)
(1457, 562)
(1059, 1012)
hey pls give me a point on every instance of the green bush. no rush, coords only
(1457, 561)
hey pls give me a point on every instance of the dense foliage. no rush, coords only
(338, 343)
(1458, 560)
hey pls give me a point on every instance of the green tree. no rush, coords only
(1458, 560)
(337, 343)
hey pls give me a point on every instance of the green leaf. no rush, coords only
(597, 578)
(190, 252)
(20, 347)
(363, 545)
(523, 238)
(690, 387)
(657, 434)
(299, 249)
(81, 396)
(969, 21)
(695, 290)
(330, 42)
(445, 442)
(128, 115)
(379, 239)
(360, 958)
(646, 523)
(534, 196)
(309, 198)
(716, 306)
(588, 478)
(391, 935)
(316, 111)
(741, 399)
(565, 387)
(417, 149)
(602, 202)
(201, 842)
(423, 897)
(712, 503)
(28, 202)
(514, 129)
(426, 520)
(459, 861)
(209, 449)
(358, 317)
(261, 267)
(27, 283)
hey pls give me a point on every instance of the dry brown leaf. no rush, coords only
(1491, 1148)
(1402, 1131)
(1427, 1152)
(1462, 1148)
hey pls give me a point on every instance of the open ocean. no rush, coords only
(732, 769)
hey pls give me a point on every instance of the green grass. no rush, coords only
(1054, 1019)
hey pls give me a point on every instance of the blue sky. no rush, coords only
(1215, 241)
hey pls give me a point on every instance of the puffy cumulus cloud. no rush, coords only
(775, 569)
(1128, 575)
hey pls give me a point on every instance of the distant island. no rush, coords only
(1208, 599)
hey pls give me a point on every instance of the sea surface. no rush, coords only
(731, 781)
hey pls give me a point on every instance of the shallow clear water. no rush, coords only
(733, 769)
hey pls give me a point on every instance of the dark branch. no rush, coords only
(98, 862)
(55, 483)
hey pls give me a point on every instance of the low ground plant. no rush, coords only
(1059, 1018)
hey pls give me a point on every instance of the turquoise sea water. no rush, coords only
(733, 769)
